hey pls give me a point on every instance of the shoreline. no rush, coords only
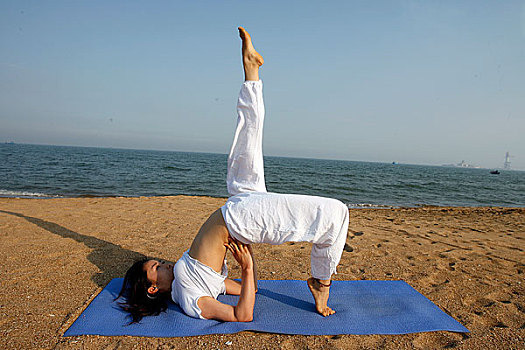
(353, 206)
(57, 254)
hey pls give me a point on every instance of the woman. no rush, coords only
(251, 215)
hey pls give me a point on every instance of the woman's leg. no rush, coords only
(245, 161)
(324, 259)
(280, 218)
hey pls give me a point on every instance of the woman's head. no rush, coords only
(146, 288)
(160, 275)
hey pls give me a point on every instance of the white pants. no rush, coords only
(253, 215)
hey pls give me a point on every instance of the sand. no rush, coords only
(57, 254)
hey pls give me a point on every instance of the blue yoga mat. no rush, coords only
(362, 307)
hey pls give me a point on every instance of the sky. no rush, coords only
(420, 82)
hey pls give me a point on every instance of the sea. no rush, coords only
(38, 171)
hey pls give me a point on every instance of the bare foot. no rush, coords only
(250, 57)
(320, 294)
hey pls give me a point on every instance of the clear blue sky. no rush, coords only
(425, 82)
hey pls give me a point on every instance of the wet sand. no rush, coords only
(57, 254)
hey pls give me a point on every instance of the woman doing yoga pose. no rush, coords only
(250, 215)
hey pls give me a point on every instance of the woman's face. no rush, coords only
(160, 274)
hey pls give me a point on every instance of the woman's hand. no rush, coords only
(241, 253)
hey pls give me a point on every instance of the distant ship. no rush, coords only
(462, 164)
(495, 172)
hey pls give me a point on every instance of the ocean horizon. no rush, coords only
(46, 171)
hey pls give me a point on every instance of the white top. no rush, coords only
(192, 280)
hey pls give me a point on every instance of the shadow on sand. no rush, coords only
(111, 259)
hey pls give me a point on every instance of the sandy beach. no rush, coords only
(57, 254)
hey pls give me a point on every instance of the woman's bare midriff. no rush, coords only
(208, 246)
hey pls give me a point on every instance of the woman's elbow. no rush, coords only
(245, 319)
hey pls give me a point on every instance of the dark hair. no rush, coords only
(139, 302)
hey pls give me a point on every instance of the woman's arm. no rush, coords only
(232, 287)
(243, 311)
(254, 269)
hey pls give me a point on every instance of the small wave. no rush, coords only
(171, 167)
(369, 206)
(24, 194)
